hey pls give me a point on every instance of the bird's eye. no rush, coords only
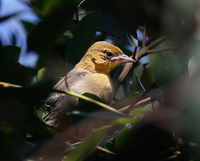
(109, 54)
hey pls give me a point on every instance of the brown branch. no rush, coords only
(151, 38)
(139, 103)
(144, 36)
(144, 51)
(122, 76)
(157, 42)
(124, 73)
(161, 50)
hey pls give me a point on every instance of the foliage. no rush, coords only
(155, 114)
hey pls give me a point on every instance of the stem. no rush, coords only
(71, 93)
(160, 50)
(122, 76)
(157, 42)
(144, 51)
(144, 36)
(151, 38)
(139, 103)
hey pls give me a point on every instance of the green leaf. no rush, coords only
(88, 145)
(45, 33)
(124, 121)
(84, 35)
(118, 29)
(139, 111)
(123, 138)
(40, 75)
(10, 70)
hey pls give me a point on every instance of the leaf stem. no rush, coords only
(71, 93)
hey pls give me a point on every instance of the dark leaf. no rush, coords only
(110, 24)
(140, 86)
(83, 37)
(44, 34)
(11, 70)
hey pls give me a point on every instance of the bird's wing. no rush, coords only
(60, 103)
(66, 82)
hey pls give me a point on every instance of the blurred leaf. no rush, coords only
(123, 138)
(155, 94)
(11, 52)
(110, 24)
(118, 29)
(11, 70)
(40, 75)
(169, 65)
(5, 84)
(139, 111)
(140, 86)
(147, 78)
(84, 35)
(98, 114)
(2, 19)
(105, 150)
(124, 121)
(88, 145)
(44, 34)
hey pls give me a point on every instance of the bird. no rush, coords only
(90, 75)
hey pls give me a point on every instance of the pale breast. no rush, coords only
(97, 84)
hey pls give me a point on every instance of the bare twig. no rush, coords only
(160, 50)
(151, 38)
(144, 36)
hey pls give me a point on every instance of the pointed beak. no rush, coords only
(122, 59)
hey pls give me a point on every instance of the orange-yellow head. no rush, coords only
(103, 57)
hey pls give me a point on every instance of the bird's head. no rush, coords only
(103, 57)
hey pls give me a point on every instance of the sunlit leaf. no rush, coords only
(105, 150)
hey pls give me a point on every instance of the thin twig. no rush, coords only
(139, 103)
(160, 50)
(157, 42)
(122, 76)
(144, 36)
(143, 51)
(151, 38)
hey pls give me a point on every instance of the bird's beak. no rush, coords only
(122, 59)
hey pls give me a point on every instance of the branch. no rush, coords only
(144, 36)
(160, 50)
(144, 51)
